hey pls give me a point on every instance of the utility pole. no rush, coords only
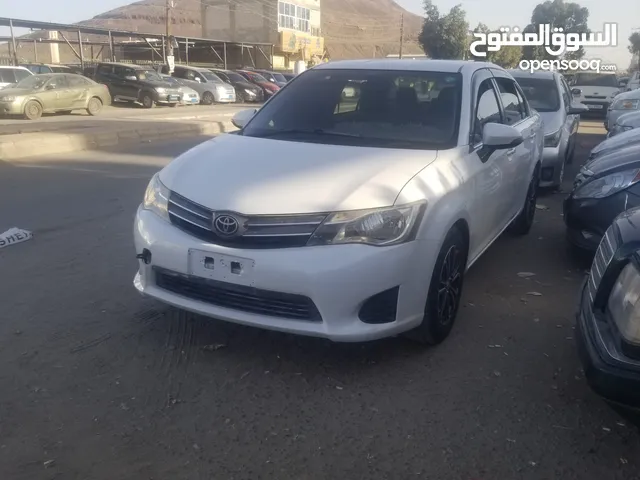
(169, 6)
(401, 34)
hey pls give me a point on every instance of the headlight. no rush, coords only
(622, 104)
(156, 198)
(608, 185)
(379, 227)
(8, 98)
(161, 90)
(250, 92)
(553, 139)
(624, 304)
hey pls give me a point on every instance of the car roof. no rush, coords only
(427, 65)
(14, 66)
(517, 73)
(128, 65)
(197, 69)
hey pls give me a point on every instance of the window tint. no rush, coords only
(514, 110)
(104, 69)
(77, 81)
(21, 74)
(364, 108)
(60, 81)
(542, 93)
(7, 75)
(487, 109)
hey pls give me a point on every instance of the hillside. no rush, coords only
(352, 28)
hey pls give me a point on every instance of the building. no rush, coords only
(293, 26)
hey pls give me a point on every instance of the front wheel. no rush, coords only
(147, 101)
(522, 224)
(445, 291)
(32, 110)
(207, 98)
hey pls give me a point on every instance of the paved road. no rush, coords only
(99, 383)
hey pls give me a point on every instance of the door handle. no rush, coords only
(511, 151)
(531, 135)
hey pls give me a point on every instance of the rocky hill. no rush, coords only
(352, 28)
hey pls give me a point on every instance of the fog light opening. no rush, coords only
(145, 256)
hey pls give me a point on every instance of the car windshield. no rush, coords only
(33, 82)
(148, 75)
(235, 77)
(542, 93)
(279, 77)
(256, 77)
(376, 108)
(172, 80)
(595, 80)
(212, 77)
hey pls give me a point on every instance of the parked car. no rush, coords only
(134, 83)
(273, 77)
(634, 81)
(89, 71)
(595, 90)
(624, 123)
(188, 95)
(363, 222)
(622, 103)
(12, 75)
(246, 91)
(605, 187)
(208, 85)
(37, 68)
(268, 89)
(289, 76)
(53, 92)
(608, 320)
(621, 140)
(550, 95)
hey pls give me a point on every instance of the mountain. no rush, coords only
(351, 28)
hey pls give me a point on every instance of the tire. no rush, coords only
(147, 100)
(32, 110)
(94, 106)
(208, 98)
(522, 224)
(445, 291)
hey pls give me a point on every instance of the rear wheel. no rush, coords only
(94, 106)
(522, 224)
(32, 110)
(445, 291)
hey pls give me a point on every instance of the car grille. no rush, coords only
(238, 297)
(596, 96)
(603, 257)
(259, 231)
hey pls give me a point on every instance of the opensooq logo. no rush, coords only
(546, 36)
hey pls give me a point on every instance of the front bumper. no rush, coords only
(588, 219)
(610, 378)
(552, 160)
(11, 108)
(338, 279)
(598, 107)
(168, 98)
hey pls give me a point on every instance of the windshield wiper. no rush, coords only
(302, 131)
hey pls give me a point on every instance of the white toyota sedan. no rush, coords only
(348, 217)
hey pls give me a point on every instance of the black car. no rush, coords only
(605, 187)
(608, 319)
(134, 83)
(246, 91)
(289, 76)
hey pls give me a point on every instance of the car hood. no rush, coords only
(631, 119)
(619, 141)
(552, 121)
(158, 84)
(246, 85)
(264, 176)
(632, 95)
(268, 85)
(16, 92)
(628, 156)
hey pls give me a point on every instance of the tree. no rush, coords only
(506, 57)
(634, 46)
(444, 36)
(569, 16)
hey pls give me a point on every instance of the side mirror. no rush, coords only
(622, 83)
(241, 118)
(132, 78)
(577, 109)
(499, 136)
(576, 92)
(197, 79)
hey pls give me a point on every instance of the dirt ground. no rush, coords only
(98, 383)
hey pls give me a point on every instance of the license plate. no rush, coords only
(174, 98)
(194, 100)
(224, 268)
(594, 107)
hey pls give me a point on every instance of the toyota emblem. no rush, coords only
(226, 225)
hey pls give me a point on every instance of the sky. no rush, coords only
(494, 13)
